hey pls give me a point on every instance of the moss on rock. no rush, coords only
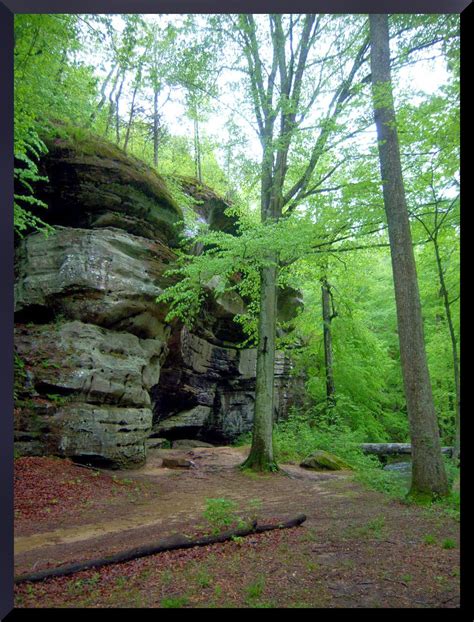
(324, 461)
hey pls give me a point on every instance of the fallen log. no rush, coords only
(385, 449)
(168, 544)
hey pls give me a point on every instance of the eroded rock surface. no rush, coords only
(94, 184)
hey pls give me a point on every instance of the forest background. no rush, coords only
(172, 91)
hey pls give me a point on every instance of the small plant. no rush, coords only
(46, 364)
(203, 579)
(449, 544)
(221, 513)
(429, 539)
(20, 376)
(121, 582)
(377, 524)
(57, 399)
(166, 576)
(255, 506)
(407, 578)
(255, 589)
(174, 603)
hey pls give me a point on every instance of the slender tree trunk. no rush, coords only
(197, 151)
(156, 127)
(130, 120)
(103, 96)
(328, 316)
(454, 347)
(111, 104)
(117, 112)
(428, 473)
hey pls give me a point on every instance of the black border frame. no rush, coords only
(8, 8)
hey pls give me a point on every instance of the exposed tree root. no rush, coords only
(169, 544)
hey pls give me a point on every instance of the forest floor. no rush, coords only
(358, 548)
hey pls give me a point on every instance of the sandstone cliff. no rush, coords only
(103, 371)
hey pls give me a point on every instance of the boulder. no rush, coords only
(324, 461)
(88, 395)
(178, 463)
(99, 356)
(105, 435)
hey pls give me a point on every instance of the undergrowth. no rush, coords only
(300, 435)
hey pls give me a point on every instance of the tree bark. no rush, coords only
(156, 127)
(428, 472)
(117, 114)
(261, 457)
(103, 96)
(130, 120)
(197, 151)
(328, 315)
(110, 116)
(454, 348)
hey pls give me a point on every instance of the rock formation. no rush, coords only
(101, 371)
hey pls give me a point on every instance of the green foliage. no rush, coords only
(47, 78)
(448, 544)
(255, 590)
(222, 514)
(301, 434)
(19, 375)
(174, 602)
(374, 528)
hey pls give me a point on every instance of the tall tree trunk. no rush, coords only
(111, 114)
(103, 96)
(428, 473)
(130, 120)
(197, 151)
(156, 127)
(117, 112)
(454, 347)
(328, 315)
(260, 457)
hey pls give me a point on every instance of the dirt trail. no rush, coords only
(358, 548)
(177, 509)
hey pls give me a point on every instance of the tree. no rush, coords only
(329, 314)
(428, 473)
(279, 106)
(47, 77)
(432, 223)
